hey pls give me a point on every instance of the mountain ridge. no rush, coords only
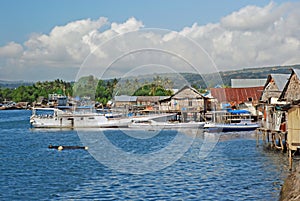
(197, 79)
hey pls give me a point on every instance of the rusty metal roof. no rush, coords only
(237, 95)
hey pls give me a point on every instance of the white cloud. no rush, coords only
(252, 36)
(64, 45)
(12, 49)
(253, 17)
(130, 25)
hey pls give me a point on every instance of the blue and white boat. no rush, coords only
(231, 120)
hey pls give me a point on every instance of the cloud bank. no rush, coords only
(250, 37)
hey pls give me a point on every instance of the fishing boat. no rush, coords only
(81, 117)
(231, 120)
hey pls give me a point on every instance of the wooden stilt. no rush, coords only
(264, 137)
(281, 143)
(257, 137)
(290, 160)
(273, 142)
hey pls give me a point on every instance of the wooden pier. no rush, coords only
(286, 140)
(272, 138)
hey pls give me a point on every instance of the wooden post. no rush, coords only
(281, 143)
(264, 136)
(257, 137)
(290, 160)
(273, 143)
(268, 138)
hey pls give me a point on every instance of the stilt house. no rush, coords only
(273, 115)
(187, 101)
(291, 94)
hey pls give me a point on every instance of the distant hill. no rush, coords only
(14, 84)
(195, 79)
(247, 73)
(256, 73)
(226, 76)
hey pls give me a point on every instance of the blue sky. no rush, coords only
(42, 36)
(21, 18)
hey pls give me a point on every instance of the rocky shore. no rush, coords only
(290, 190)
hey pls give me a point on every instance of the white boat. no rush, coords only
(57, 118)
(152, 124)
(81, 118)
(243, 125)
(232, 120)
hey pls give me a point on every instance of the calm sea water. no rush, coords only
(234, 170)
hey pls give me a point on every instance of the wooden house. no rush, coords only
(291, 94)
(291, 91)
(149, 103)
(187, 101)
(273, 116)
(273, 88)
(125, 101)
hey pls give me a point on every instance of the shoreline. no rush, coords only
(290, 188)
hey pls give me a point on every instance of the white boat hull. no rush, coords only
(164, 125)
(218, 127)
(61, 119)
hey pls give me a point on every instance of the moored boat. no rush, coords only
(229, 127)
(57, 118)
(151, 124)
(82, 118)
(232, 120)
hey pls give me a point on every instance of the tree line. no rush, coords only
(99, 90)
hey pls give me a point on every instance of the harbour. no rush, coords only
(235, 169)
(123, 134)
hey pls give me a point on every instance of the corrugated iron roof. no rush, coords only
(283, 94)
(280, 80)
(297, 71)
(124, 98)
(237, 95)
(245, 83)
(148, 98)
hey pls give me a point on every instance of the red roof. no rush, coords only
(237, 95)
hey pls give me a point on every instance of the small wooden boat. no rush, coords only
(63, 147)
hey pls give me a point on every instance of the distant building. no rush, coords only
(57, 100)
(124, 100)
(243, 83)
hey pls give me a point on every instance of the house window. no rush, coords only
(190, 103)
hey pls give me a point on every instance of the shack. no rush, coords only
(273, 115)
(273, 125)
(125, 101)
(187, 102)
(291, 94)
